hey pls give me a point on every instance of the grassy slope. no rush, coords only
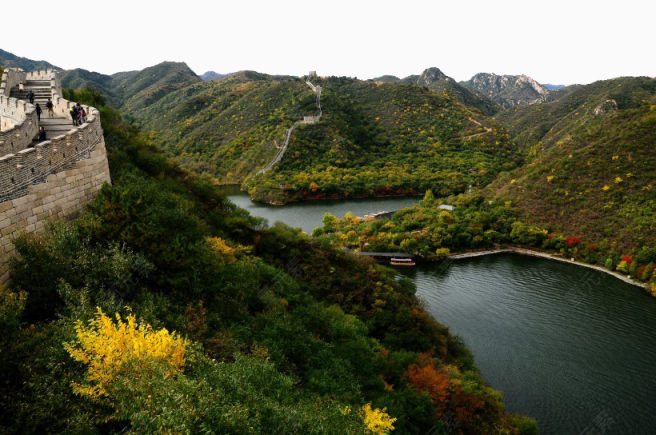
(583, 153)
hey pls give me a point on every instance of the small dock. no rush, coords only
(379, 215)
(390, 257)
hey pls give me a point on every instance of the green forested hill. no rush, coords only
(547, 123)
(132, 90)
(594, 174)
(10, 60)
(374, 138)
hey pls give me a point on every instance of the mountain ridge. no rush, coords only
(11, 60)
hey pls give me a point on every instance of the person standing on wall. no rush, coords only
(50, 106)
(30, 96)
(38, 111)
(74, 114)
(42, 134)
(81, 114)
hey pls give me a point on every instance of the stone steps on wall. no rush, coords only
(55, 126)
(37, 83)
(26, 91)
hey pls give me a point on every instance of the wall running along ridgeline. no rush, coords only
(48, 180)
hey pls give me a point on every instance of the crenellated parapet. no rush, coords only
(33, 165)
(22, 162)
(18, 119)
(11, 77)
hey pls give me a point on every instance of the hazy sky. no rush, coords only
(552, 41)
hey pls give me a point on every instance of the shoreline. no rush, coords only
(337, 198)
(534, 253)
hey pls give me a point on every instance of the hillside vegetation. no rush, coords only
(545, 124)
(440, 83)
(273, 329)
(595, 169)
(374, 138)
(10, 60)
(133, 90)
(588, 192)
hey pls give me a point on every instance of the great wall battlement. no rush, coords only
(47, 180)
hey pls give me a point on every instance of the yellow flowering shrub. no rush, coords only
(377, 421)
(105, 346)
(219, 245)
(606, 188)
(549, 178)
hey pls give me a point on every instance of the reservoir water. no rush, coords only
(307, 215)
(570, 346)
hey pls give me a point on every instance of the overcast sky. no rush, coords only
(559, 42)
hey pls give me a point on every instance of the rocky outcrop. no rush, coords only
(607, 106)
(508, 90)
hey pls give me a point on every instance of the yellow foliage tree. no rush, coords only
(219, 245)
(377, 421)
(105, 346)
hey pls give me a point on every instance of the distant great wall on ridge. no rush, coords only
(41, 181)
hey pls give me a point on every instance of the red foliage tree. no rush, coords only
(573, 241)
(627, 259)
(425, 377)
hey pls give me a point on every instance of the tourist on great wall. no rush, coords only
(42, 134)
(30, 96)
(38, 111)
(81, 114)
(50, 106)
(74, 114)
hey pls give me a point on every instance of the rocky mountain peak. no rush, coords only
(432, 75)
(508, 90)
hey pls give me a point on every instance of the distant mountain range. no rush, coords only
(211, 75)
(487, 92)
(12, 61)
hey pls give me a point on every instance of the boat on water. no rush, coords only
(402, 262)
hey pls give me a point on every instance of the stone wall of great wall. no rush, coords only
(18, 120)
(53, 179)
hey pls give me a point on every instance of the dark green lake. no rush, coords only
(570, 346)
